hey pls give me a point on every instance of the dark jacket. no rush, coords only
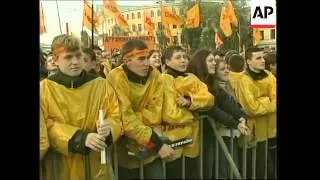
(226, 110)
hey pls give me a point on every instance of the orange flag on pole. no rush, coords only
(231, 13)
(227, 18)
(169, 18)
(218, 40)
(122, 23)
(193, 17)
(148, 25)
(111, 8)
(43, 22)
(87, 17)
(257, 35)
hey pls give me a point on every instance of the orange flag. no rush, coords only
(169, 18)
(193, 17)
(231, 13)
(218, 40)
(87, 17)
(225, 22)
(122, 23)
(257, 35)
(111, 8)
(227, 18)
(43, 22)
(148, 25)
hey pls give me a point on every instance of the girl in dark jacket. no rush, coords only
(227, 111)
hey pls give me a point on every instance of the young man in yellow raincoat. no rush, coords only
(184, 95)
(70, 102)
(140, 91)
(236, 66)
(256, 92)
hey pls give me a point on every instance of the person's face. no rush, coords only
(51, 65)
(155, 60)
(98, 55)
(273, 69)
(211, 63)
(257, 62)
(223, 71)
(70, 63)
(88, 63)
(139, 64)
(179, 61)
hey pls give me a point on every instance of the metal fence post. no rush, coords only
(115, 162)
(231, 152)
(141, 169)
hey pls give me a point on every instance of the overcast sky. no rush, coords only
(71, 12)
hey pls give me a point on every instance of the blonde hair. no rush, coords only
(65, 42)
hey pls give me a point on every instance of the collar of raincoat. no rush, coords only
(256, 76)
(175, 73)
(133, 77)
(72, 82)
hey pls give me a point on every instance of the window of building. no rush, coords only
(180, 10)
(273, 33)
(174, 26)
(139, 27)
(127, 16)
(159, 13)
(132, 16)
(159, 24)
(139, 15)
(133, 27)
(173, 10)
(175, 39)
(262, 35)
(108, 21)
(111, 20)
(153, 26)
(181, 26)
(152, 14)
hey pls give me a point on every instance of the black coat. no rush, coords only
(226, 109)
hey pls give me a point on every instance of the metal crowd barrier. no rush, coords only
(234, 173)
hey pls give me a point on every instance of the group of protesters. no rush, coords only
(143, 100)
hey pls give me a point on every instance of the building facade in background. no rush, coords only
(135, 17)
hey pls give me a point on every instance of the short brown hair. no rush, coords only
(68, 42)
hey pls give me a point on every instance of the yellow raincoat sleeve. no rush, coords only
(113, 113)
(59, 134)
(273, 88)
(252, 105)
(201, 98)
(133, 121)
(44, 140)
(172, 114)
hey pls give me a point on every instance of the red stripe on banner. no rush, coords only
(263, 26)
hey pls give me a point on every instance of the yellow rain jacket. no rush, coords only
(258, 99)
(180, 122)
(234, 78)
(44, 141)
(67, 110)
(141, 107)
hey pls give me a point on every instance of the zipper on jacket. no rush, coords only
(72, 84)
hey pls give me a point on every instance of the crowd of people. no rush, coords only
(151, 98)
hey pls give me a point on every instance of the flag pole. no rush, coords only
(59, 16)
(92, 24)
(239, 30)
(83, 16)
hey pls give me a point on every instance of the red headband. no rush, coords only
(135, 53)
